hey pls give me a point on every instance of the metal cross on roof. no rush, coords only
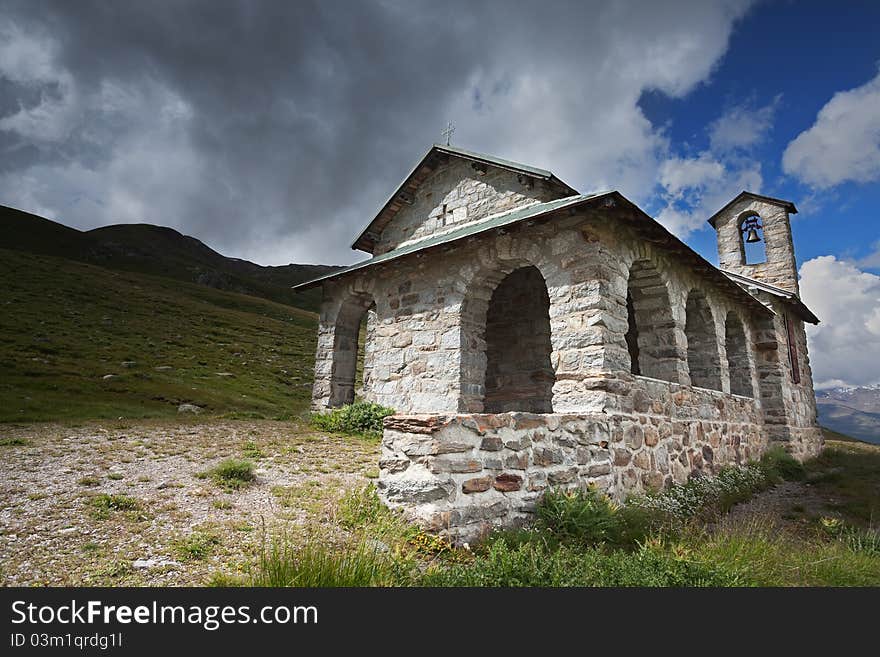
(447, 131)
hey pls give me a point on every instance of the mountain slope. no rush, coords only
(160, 251)
(853, 411)
(79, 341)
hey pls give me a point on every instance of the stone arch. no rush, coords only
(736, 347)
(650, 336)
(704, 363)
(345, 348)
(503, 307)
(754, 253)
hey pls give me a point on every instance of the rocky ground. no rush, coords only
(164, 523)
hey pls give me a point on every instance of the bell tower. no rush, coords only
(754, 239)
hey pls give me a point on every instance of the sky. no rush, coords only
(274, 131)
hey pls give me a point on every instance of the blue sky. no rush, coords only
(794, 57)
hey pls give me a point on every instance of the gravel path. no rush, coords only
(183, 528)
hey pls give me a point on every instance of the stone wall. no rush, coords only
(439, 347)
(458, 193)
(464, 474)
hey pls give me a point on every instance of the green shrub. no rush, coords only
(232, 473)
(13, 442)
(588, 517)
(780, 465)
(359, 419)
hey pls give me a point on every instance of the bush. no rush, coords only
(706, 497)
(588, 517)
(780, 465)
(359, 419)
(232, 473)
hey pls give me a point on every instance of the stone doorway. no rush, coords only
(519, 374)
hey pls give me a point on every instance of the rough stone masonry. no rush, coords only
(529, 336)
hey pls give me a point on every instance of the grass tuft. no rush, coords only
(196, 547)
(232, 474)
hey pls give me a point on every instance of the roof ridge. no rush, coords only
(364, 241)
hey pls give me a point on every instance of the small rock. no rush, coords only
(129, 363)
(141, 564)
(163, 368)
(189, 408)
(225, 374)
(107, 377)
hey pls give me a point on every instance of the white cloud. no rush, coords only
(872, 260)
(556, 89)
(693, 188)
(845, 346)
(844, 142)
(742, 126)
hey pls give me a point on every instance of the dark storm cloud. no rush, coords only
(267, 128)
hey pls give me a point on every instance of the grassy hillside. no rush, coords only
(159, 251)
(79, 341)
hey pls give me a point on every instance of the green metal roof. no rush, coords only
(493, 221)
(800, 307)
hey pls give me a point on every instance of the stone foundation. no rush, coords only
(463, 474)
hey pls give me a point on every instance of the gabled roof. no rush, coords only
(794, 300)
(788, 205)
(649, 228)
(500, 220)
(436, 155)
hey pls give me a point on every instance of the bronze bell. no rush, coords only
(752, 237)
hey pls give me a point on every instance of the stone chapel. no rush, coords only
(529, 336)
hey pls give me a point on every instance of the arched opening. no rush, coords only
(365, 352)
(737, 356)
(650, 338)
(348, 358)
(519, 375)
(751, 236)
(704, 363)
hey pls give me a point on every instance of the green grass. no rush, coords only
(849, 474)
(318, 565)
(13, 442)
(66, 325)
(104, 504)
(196, 547)
(232, 474)
(582, 538)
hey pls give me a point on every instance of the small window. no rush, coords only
(792, 350)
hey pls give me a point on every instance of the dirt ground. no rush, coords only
(173, 527)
